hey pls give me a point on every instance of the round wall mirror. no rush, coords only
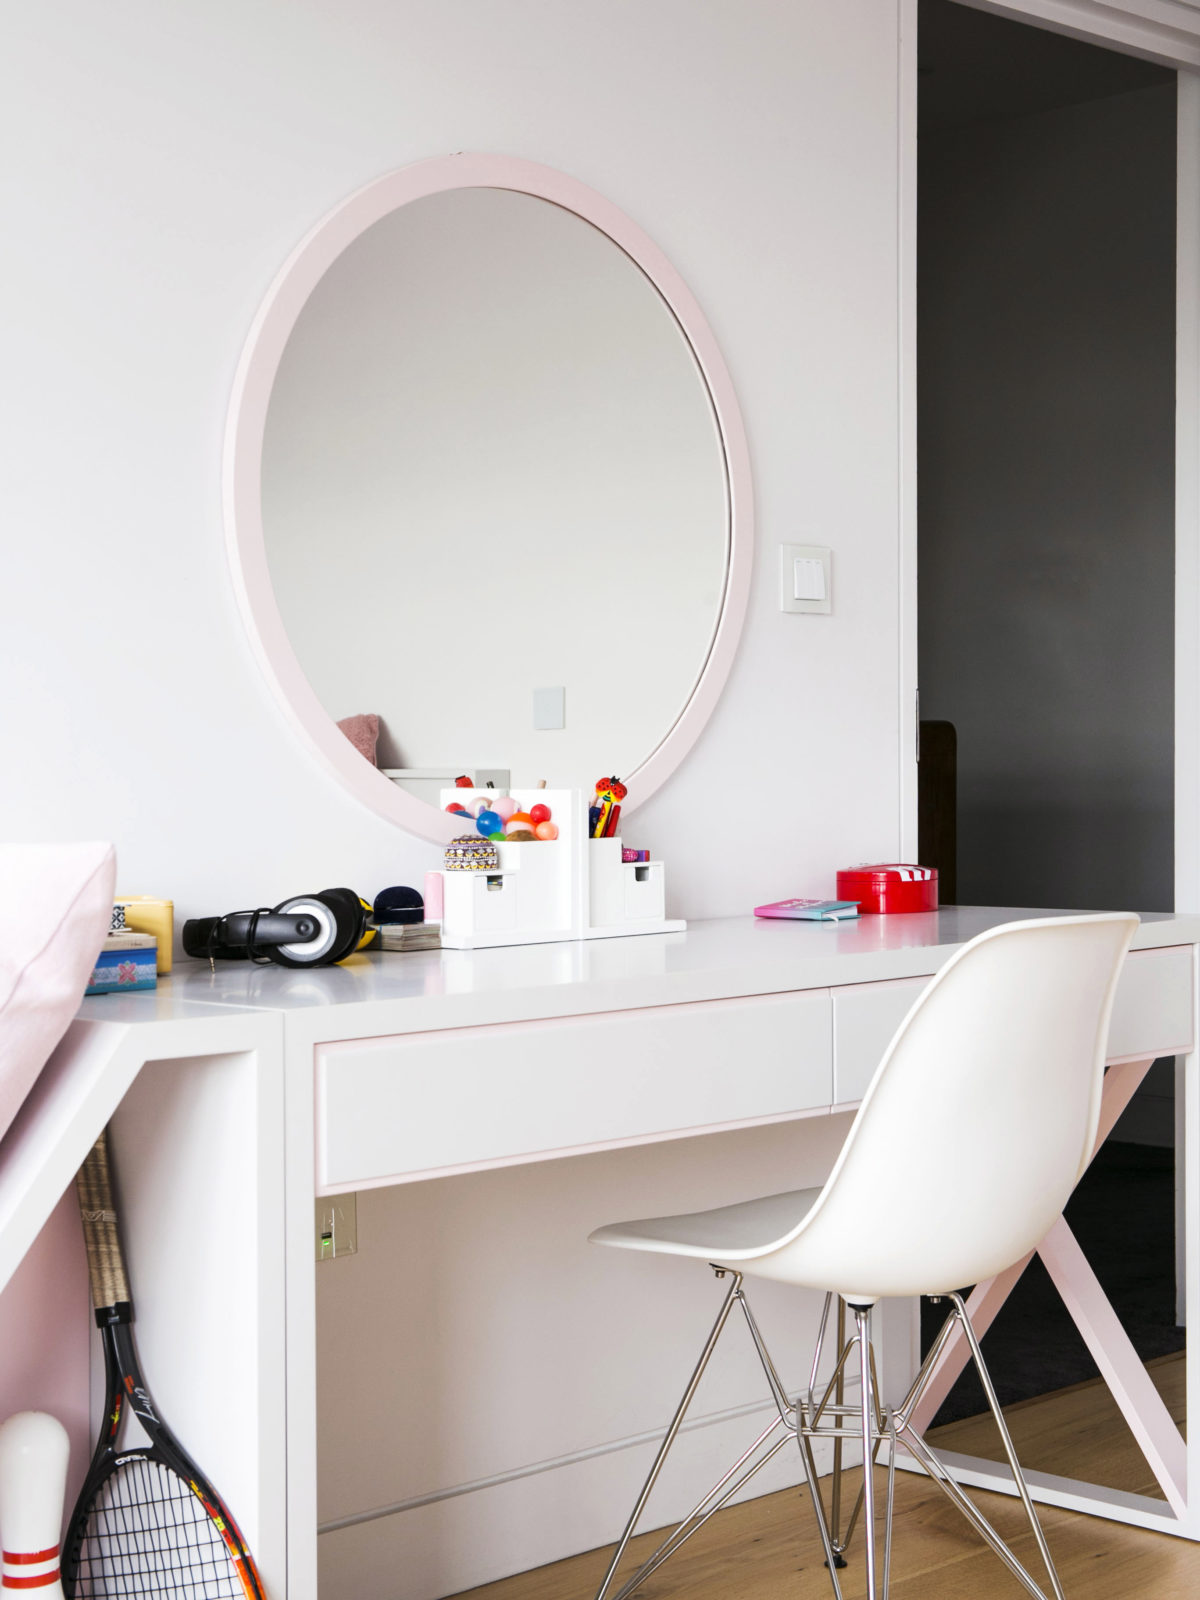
(487, 484)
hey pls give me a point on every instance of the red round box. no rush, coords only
(893, 886)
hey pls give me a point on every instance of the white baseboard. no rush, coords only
(468, 1536)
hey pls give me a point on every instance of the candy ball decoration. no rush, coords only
(489, 823)
(539, 814)
(504, 807)
(546, 829)
(519, 819)
(478, 807)
(457, 806)
(522, 835)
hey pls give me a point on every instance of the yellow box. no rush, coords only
(145, 914)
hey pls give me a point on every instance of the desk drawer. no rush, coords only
(1152, 1016)
(470, 1097)
(865, 1016)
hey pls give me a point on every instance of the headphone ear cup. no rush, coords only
(330, 936)
(351, 914)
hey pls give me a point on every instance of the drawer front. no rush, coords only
(417, 1103)
(1152, 1016)
(645, 895)
(865, 1016)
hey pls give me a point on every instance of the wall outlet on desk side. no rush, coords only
(337, 1226)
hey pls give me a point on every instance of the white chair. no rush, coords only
(977, 1125)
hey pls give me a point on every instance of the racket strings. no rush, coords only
(146, 1533)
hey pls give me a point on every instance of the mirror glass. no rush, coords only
(494, 495)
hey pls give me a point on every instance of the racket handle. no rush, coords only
(106, 1265)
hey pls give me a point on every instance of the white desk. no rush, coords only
(394, 1069)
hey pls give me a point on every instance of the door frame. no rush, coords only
(1166, 31)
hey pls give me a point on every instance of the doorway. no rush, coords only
(1046, 378)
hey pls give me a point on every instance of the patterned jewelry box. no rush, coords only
(471, 853)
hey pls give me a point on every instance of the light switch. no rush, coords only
(808, 579)
(805, 578)
(549, 709)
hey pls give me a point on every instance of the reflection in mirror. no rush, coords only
(494, 495)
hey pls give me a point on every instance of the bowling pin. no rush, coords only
(33, 1479)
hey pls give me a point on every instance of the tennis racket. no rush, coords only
(147, 1521)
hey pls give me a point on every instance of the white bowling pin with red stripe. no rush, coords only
(34, 1449)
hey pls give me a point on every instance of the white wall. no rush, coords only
(167, 160)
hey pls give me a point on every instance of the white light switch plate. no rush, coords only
(805, 570)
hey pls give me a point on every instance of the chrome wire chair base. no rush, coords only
(825, 1414)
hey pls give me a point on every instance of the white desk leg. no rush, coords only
(1120, 1365)
(1174, 1463)
(299, 1228)
(198, 1158)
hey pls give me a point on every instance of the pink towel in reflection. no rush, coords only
(363, 733)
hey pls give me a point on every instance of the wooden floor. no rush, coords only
(768, 1549)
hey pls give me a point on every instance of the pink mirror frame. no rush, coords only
(246, 423)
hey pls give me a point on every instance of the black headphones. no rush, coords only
(310, 930)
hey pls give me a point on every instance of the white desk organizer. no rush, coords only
(571, 887)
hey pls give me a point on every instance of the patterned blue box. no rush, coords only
(126, 961)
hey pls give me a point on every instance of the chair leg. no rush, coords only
(835, 1488)
(639, 1506)
(833, 1559)
(1009, 1450)
(862, 1322)
(907, 1435)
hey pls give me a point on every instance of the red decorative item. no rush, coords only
(891, 886)
(464, 782)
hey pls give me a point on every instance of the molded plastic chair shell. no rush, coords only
(977, 1125)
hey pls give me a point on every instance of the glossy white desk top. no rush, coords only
(712, 960)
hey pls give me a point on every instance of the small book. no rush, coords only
(810, 910)
(410, 936)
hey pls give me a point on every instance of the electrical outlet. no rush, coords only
(550, 708)
(337, 1226)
